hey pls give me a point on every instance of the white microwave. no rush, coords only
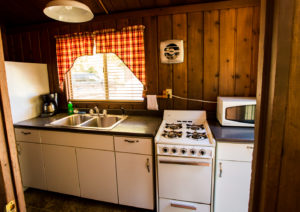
(236, 111)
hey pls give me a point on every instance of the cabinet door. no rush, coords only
(31, 165)
(61, 169)
(232, 186)
(135, 180)
(97, 174)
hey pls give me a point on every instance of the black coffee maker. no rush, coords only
(49, 105)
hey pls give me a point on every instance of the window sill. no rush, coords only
(104, 101)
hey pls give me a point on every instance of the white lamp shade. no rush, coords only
(68, 11)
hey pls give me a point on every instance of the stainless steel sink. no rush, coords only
(71, 120)
(107, 122)
(98, 122)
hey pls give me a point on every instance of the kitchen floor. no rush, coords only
(45, 201)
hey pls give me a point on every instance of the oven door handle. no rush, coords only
(183, 205)
(185, 163)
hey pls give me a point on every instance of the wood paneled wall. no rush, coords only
(220, 53)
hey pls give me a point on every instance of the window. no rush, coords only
(103, 77)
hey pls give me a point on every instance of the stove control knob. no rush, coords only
(165, 149)
(192, 151)
(183, 151)
(174, 150)
(202, 152)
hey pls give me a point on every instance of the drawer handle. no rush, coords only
(26, 133)
(249, 147)
(131, 141)
(185, 163)
(177, 205)
(221, 170)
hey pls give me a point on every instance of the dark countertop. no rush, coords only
(231, 134)
(134, 125)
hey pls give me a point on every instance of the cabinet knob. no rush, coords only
(221, 170)
(26, 133)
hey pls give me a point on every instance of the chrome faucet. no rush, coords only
(97, 110)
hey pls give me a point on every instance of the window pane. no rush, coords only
(122, 83)
(88, 80)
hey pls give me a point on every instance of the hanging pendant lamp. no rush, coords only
(68, 11)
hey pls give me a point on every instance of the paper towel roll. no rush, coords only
(152, 102)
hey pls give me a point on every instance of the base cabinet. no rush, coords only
(233, 175)
(97, 174)
(61, 169)
(135, 180)
(107, 168)
(31, 165)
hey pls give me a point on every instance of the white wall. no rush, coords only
(26, 83)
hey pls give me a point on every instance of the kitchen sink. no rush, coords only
(103, 121)
(99, 122)
(71, 120)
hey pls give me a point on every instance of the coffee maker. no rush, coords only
(49, 105)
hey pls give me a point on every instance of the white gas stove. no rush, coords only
(185, 152)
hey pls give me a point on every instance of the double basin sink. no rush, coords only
(100, 122)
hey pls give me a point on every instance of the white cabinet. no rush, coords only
(97, 174)
(233, 174)
(135, 180)
(61, 169)
(31, 165)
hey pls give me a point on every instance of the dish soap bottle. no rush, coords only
(70, 108)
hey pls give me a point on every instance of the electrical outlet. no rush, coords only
(11, 206)
(169, 93)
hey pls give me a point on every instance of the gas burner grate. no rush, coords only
(172, 134)
(195, 126)
(196, 135)
(174, 126)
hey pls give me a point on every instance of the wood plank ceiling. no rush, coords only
(24, 12)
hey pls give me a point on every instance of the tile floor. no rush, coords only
(44, 201)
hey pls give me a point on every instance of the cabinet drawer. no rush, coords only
(27, 135)
(167, 205)
(92, 141)
(133, 145)
(234, 151)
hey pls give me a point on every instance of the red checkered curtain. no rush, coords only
(128, 44)
(68, 48)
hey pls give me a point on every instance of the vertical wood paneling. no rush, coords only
(151, 54)
(122, 23)
(227, 52)
(243, 51)
(221, 48)
(195, 59)
(18, 50)
(180, 69)
(211, 57)
(254, 46)
(164, 32)
(36, 46)
(26, 44)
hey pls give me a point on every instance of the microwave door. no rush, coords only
(243, 114)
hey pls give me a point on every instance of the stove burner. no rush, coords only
(173, 126)
(196, 135)
(195, 126)
(172, 134)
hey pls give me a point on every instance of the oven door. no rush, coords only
(186, 179)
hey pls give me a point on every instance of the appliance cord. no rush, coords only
(195, 100)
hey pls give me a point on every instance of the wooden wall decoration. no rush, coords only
(220, 45)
